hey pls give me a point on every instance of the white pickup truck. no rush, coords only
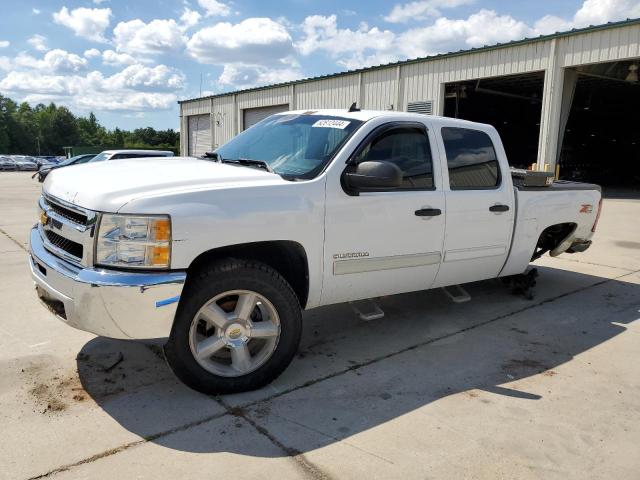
(306, 208)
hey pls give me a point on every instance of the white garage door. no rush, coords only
(199, 135)
(254, 115)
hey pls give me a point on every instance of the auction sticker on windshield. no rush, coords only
(341, 124)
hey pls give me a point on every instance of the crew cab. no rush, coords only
(306, 208)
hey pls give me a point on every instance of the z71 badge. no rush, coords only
(586, 208)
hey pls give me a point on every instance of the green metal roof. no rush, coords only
(574, 31)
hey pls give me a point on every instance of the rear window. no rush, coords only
(471, 159)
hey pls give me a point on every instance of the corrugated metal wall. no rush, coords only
(396, 86)
(336, 92)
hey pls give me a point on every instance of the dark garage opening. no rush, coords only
(512, 104)
(602, 139)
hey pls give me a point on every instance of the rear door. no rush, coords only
(385, 242)
(479, 203)
(199, 139)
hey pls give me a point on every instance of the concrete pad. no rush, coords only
(20, 193)
(486, 403)
(335, 339)
(617, 238)
(435, 388)
(200, 452)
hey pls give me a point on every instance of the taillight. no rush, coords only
(595, 224)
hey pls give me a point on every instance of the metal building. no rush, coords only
(570, 98)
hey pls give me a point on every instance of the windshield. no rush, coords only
(296, 146)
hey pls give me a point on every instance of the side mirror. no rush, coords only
(373, 175)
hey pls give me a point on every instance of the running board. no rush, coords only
(459, 296)
(367, 310)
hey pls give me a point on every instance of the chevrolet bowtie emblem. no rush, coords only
(43, 218)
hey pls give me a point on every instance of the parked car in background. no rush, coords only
(122, 154)
(45, 160)
(26, 164)
(7, 163)
(77, 160)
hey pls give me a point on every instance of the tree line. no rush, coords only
(46, 129)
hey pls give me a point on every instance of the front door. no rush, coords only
(385, 242)
(479, 206)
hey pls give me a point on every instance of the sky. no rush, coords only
(130, 61)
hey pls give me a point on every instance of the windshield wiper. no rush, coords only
(250, 163)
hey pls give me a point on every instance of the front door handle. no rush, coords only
(428, 212)
(499, 208)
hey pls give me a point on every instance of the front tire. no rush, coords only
(237, 328)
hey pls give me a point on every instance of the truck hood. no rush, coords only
(108, 186)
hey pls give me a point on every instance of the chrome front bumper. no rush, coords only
(109, 303)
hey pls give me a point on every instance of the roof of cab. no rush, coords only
(365, 115)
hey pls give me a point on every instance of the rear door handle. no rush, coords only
(499, 208)
(428, 212)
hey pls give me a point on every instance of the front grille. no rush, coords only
(67, 213)
(66, 245)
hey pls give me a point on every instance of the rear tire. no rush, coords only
(237, 328)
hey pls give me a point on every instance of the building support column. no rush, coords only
(236, 116)
(398, 93)
(552, 106)
(292, 97)
(212, 125)
(184, 135)
(568, 91)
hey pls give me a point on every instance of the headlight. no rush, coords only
(134, 241)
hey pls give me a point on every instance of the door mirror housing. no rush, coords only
(373, 175)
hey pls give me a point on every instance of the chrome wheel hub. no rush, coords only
(234, 333)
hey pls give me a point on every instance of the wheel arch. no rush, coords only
(553, 236)
(287, 257)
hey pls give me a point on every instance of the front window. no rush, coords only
(295, 146)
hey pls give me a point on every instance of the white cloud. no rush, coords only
(189, 18)
(254, 41)
(156, 37)
(38, 42)
(111, 58)
(141, 77)
(54, 61)
(35, 11)
(422, 9)
(89, 23)
(484, 27)
(372, 46)
(214, 8)
(4, 43)
(136, 88)
(592, 12)
(322, 33)
(91, 53)
(355, 48)
(247, 76)
(98, 2)
(6, 64)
